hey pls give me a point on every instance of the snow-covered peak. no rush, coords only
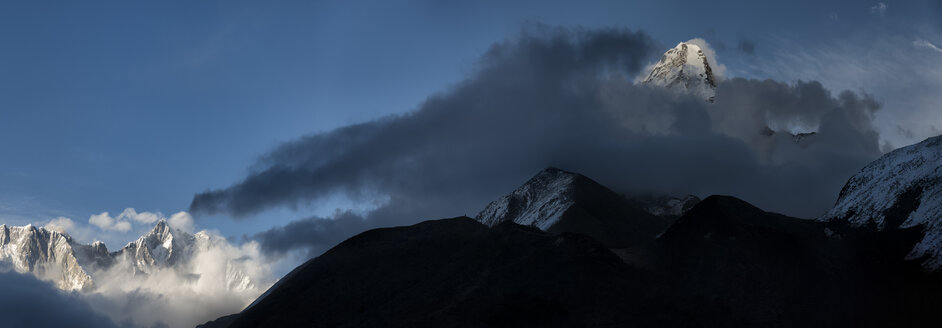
(901, 189)
(539, 202)
(162, 246)
(47, 254)
(684, 68)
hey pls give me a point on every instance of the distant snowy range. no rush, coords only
(166, 277)
(562, 249)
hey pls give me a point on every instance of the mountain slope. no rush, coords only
(558, 201)
(460, 273)
(901, 189)
(723, 263)
(684, 68)
(770, 269)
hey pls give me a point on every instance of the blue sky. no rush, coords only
(116, 104)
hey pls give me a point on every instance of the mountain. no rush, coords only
(558, 201)
(684, 68)
(47, 254)
(163, 246)
(56, 257)
(770, 268)
(460, 273)
(901, 189)
(722, 263)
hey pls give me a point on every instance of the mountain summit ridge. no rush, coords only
(684, 68)
(559, 201)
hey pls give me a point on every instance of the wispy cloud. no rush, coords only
(879, 8)
(922, 43)
(839, 65)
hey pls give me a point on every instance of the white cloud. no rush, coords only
(879, 8)
(61, 224)
(922, 43)
(106, 222)
(123, 222)
(221, 277)
(143, 217)
(719, 70)
(181, 220)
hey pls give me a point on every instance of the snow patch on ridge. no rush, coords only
(686, 69)
(540, 202)
(901, 189)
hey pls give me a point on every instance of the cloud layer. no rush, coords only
(563, 97)
(218, 279)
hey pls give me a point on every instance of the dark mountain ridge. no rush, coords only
(564, 251)
(460, 273)
(771, 269)
(559, 201)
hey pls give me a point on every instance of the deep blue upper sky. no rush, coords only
(112, 104)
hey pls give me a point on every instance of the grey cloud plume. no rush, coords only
(563, 97)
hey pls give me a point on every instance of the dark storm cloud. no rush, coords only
(514, 93)
(747, 46)
(564, 98)
(28, 302)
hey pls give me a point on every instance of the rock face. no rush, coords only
(45, 253)
(558, 201)
(901, 189)
(684, 68)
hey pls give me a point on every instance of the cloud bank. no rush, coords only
(563, 97)
(217, 279)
